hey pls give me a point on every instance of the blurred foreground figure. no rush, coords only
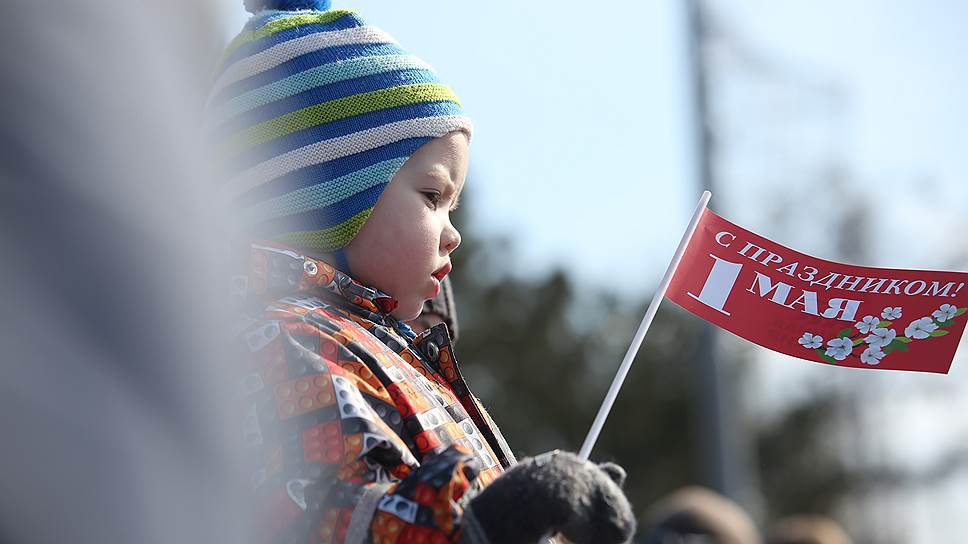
(694, 515)
(111, 430)
(808, 530)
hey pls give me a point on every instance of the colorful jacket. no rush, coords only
(359, 430)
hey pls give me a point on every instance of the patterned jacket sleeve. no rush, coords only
(330, 452)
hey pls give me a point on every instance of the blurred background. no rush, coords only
(836, 128)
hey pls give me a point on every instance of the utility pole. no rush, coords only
(723, 443)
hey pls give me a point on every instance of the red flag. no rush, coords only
(820, 310)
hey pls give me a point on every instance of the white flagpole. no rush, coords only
(606, 407)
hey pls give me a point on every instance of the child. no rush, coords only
(345, 157)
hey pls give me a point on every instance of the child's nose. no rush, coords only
(450, 238)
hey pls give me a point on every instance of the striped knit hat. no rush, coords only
(313, 111)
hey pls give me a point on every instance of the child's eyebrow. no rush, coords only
(455, 192)
(452, 186)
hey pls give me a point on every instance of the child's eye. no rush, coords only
(433, 197)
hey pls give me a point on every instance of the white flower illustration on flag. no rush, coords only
(839, 348)
(891, 314)
(872, 355)
(919, 329)
(945, 313)
(876, 339)
(867, 324)
(811, 341)
(880, 338)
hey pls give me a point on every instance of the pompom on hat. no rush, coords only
(255, 6)
(312, 112)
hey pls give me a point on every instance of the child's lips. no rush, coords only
(441, 272)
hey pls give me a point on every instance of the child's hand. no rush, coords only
(556, 492)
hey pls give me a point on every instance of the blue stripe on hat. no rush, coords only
(325, 93)
(251, 48)
(319, 173)
(313, 78)
(325, 193)
(343, 127)
(321, 218)
(306, 62)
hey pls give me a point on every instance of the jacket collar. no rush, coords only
(277, 270)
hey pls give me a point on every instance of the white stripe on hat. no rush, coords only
(316, 76)
(288, 50)
(335, 148)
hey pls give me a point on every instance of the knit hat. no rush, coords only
(313, 111)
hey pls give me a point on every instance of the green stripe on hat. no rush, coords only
(279, 25)
(315, 77)
(326, 193)
(334, 110)
(329, 239)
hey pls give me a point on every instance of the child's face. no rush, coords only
(408, 237)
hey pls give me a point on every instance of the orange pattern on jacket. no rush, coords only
(340, 397)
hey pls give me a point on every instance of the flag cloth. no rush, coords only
(819, 310)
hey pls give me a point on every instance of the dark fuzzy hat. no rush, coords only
(699, 511)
